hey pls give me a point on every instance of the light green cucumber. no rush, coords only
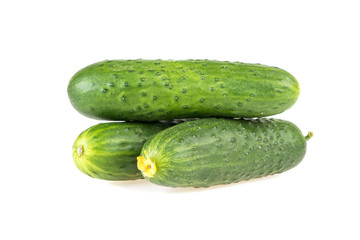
(108, 151)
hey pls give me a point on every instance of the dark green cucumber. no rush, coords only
(144, 90)
(213, 151)
(108, 150)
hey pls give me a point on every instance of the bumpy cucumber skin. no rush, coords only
(209, 152)
(148, 90)
(109, 150)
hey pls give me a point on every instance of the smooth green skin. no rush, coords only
(209, 152)
(109, 150)
(144, 90)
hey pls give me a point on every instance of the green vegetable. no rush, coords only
(108, 150)
(213, 151)
(149, 90)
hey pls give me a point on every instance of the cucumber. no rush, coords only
(108, 151)
(149, 90)
(209, 152)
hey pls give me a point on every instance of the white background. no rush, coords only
(43, 194)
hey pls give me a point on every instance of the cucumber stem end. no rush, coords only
(309, 135)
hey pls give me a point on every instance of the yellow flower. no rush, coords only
(146, 166)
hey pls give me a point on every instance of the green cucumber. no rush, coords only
(209, 152)
(108, 150)
(149, 90)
